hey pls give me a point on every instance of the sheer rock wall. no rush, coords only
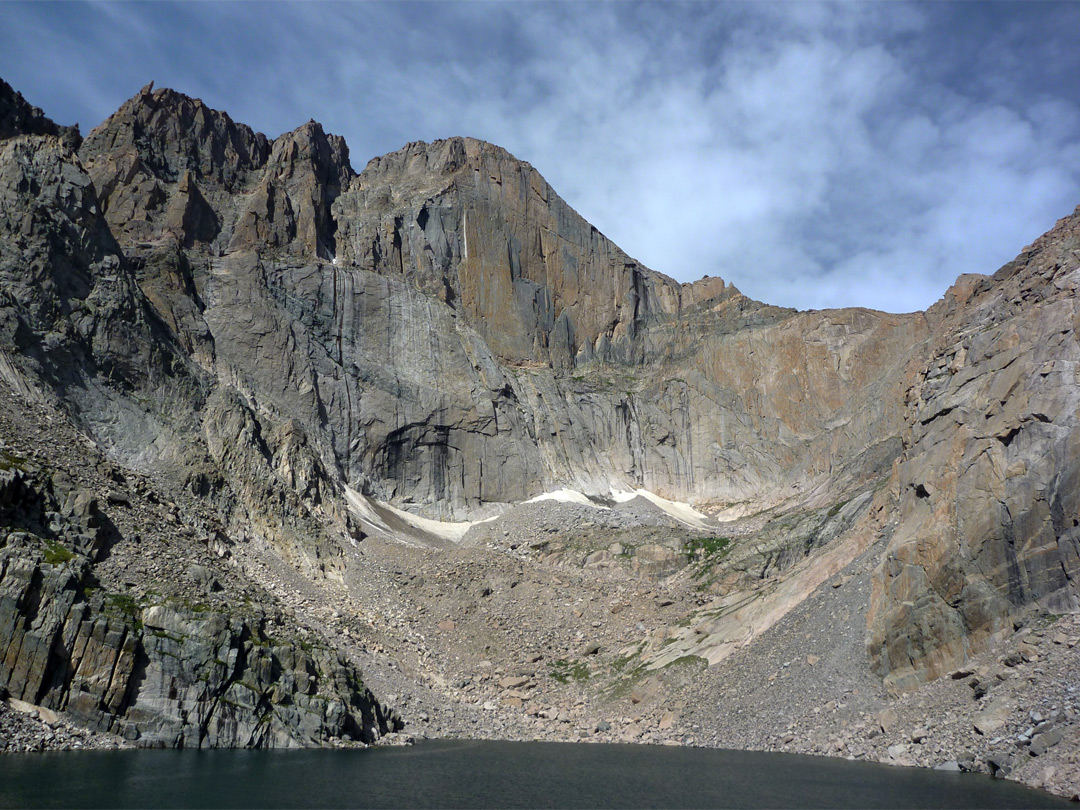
(443, 332)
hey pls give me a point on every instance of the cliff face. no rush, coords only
(80, 334)
(163, 672)
(713, 395)
(263, 327)
(985, 491)
(449, 334)
(467, 223)
(19, 117)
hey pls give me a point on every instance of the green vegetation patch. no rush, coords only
(126, 605)
(834, 510)
(565, 671)
(1046, 619)
(621, 686)
(619, 664)
(57, 553)
(10, 461)
(686, 660)
(123, 602)
(260, 639)
(706, 548)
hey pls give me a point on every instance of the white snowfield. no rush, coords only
(445, 529)
(682, 512)
(364, 508)
(566, 496)
(361, 507)
(377, 512)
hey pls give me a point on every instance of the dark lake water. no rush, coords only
(489, 774)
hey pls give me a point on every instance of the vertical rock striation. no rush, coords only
(986, 490)
(448, 333)
(257, 322)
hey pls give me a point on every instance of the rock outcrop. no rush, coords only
(165, 165)
(448, 378)
(986, 491)
(19, 117)
(159, 671)
(79, 333)
(714, 396)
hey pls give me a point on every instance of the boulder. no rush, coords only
(994, 716)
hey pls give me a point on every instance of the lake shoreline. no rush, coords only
(484, 773)
(26, 729)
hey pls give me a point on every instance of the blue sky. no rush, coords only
(815, 155)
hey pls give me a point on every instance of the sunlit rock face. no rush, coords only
(986, 489)
(451, 334)
(444, 333)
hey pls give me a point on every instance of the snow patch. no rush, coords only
(398, 522)
(682, 512)
(566, 496)
(368, 510)
(439, 528)
(361, 507)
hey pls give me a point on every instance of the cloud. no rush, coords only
(815, 155)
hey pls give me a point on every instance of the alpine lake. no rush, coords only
(480, 774)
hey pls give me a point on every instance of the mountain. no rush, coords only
(237, 357)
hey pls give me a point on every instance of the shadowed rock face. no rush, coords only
(71, 312)
(170, 169)
(19, 117)
(443, 332)
(173, 674)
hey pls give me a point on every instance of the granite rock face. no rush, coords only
(19, 117)
(986, 489)
(75, 324)
(80, 333)
(163, 673)
(258, 323)
(625, 377)
(446, 377)
(467, 223)
(165, 165)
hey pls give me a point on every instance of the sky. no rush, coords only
(814, 155)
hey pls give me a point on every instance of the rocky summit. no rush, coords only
(292, 455)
